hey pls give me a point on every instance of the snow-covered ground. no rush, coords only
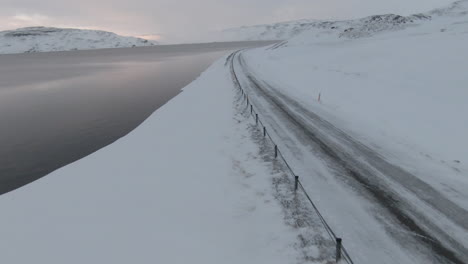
(405, 89)
(187, 186)
(350, 28)
(287, 30)
(382, 154)
(388, 136)
(44, 39)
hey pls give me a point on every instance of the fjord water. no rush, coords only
(58, 107)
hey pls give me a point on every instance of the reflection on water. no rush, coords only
(59, 107)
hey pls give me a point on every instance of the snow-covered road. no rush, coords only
(385, 213)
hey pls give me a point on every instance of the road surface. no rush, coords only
(384, 213)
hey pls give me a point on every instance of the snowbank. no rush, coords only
(181, 188)
(44, 39)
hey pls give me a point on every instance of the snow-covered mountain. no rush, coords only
(44, 39)
(356, 28)
(373, 25)
(348, 28)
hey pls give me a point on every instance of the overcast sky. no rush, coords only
(177, 20)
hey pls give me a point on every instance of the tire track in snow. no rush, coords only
(349, 158)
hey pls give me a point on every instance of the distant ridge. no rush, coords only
(354, 28)
(46, 39)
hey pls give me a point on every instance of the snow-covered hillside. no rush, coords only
(343, 28)
(44, 39)
(286, 30)
(387, 136)
(424, 62)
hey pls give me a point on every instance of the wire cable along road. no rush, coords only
(385, 213)
(340, 252)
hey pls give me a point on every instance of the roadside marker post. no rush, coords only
(341, 252)
(338, 249)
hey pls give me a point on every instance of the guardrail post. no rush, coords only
(256, 119)
(264, 131)
(296, 182)
(276, 151)
(251, 109)
(247, 99)
(338, 249)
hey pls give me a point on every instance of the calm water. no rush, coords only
(56, 108)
